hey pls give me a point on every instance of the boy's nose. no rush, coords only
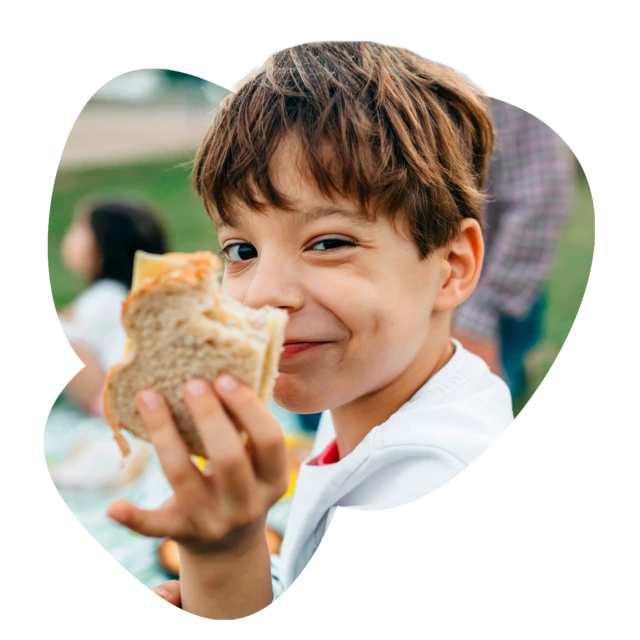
(275, 284)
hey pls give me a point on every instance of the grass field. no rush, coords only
(166, 184)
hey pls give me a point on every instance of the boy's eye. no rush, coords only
(330, 244)
(243, 251)
(239, 252)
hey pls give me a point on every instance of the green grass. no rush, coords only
(167, 185)
(566, 287)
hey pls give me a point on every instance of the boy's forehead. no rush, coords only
(289, 170)
(290, 175)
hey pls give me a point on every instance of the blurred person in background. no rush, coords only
(100, 246)
(530, 188)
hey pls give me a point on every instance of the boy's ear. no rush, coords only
(462, 265)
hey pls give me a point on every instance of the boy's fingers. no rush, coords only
(267, 438)
(169, 591)
(157, 523)
(228, 459)
(184, 477)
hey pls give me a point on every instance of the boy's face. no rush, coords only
(360, 299)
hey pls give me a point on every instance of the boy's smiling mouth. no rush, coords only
(294, 347)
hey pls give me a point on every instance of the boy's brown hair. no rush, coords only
(408, 137)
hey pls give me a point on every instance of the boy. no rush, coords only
(345, 181)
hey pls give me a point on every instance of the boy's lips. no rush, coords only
(292, 348)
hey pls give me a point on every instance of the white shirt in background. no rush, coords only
(95, 321)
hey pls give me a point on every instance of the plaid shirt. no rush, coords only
(530, 187)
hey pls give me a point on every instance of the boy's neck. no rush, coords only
(353, 421)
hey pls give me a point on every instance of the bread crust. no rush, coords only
(198, 269)
(181, 327)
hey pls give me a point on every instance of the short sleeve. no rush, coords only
(96, 322)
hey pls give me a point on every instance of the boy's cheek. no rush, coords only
(235, 286)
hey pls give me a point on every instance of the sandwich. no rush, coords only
(179, 327)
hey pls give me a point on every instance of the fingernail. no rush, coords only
(196, 388)
(163, 593)
(149, 400)
(227, 382)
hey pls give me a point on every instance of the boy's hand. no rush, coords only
(222, 512)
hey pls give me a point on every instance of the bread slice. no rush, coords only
(149, 265)
(180, 327)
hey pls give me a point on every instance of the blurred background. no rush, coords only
(135, 140)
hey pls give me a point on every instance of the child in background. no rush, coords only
(100, 246)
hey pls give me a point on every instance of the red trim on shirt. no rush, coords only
(329, 456)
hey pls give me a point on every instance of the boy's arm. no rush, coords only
(218, 519)
(227, 587)
(531, 186)
(170, 590)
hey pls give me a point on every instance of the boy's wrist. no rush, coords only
(214, 565)
(227, 584)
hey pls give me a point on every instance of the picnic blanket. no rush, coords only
(85, 465)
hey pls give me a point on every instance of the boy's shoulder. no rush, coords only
(432, 438)
(461, 410)
(457, 414)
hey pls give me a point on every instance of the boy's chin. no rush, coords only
(298, 396)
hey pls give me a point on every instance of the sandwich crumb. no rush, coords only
(121, 441)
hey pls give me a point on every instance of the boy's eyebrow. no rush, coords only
(322, 211)
(305, 216)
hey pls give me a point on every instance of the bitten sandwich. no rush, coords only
(179, 327)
